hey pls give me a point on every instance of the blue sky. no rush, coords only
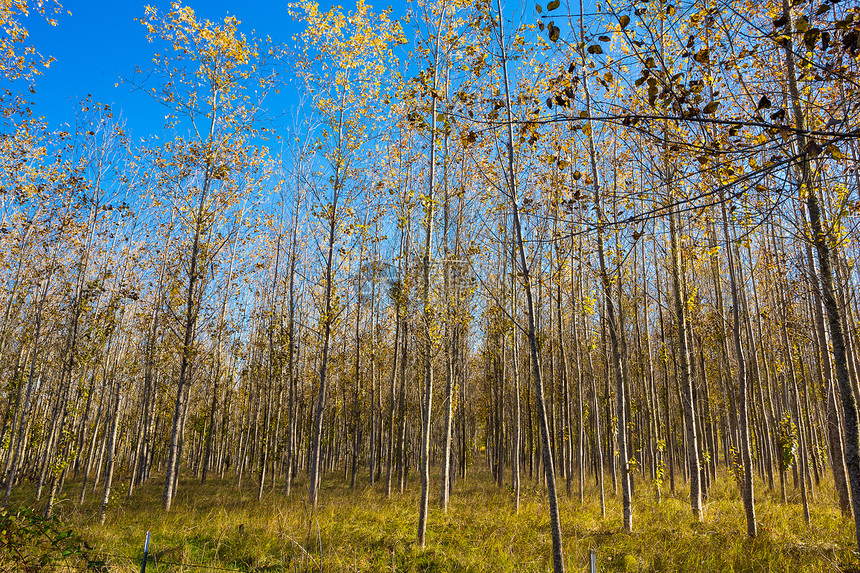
(100, 43)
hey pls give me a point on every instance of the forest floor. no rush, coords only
(216, 527)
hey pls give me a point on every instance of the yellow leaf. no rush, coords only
(835, 152)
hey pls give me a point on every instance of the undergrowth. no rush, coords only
(216, 525)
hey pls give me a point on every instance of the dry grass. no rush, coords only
(360, 530)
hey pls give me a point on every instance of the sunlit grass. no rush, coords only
(360, 530)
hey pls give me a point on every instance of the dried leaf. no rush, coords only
(711, 107)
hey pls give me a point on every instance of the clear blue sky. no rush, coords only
(100, 42)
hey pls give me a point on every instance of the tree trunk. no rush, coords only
(549, 467)
(743, 422)
(821, 240)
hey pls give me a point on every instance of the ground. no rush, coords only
(217, 526)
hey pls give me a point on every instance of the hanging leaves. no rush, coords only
(810, 37)
(835, 152)
(788, 442)
(813, 148)
(802, 24)
(703, 56)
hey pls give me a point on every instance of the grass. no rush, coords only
(360, 530)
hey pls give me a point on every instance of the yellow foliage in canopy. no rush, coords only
(18, 60)
(222, 54)
(346, 56)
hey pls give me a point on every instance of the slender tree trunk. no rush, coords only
(836, 445)
(549, 467)
(111, 453)
(822, 242)
(389, 461)
(20, 433)
(450, 329)
(291, 360)
(746, 452)
(612, 316)
(328, 320)
(192, 302)
(427, 311)
(686, 382)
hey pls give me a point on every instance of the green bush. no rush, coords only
(32, 543)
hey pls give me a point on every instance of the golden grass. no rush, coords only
(360, 530)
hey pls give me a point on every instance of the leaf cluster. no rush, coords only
(30, 543)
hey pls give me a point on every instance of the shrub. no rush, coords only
(32, 543)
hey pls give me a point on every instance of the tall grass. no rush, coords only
(360, 530)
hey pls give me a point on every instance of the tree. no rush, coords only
(210, 80)
(343, 63)
(531, 333)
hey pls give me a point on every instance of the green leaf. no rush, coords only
(810, 37)
(711, 107)
(802, 24)
(835, 152)
(553, 5)
(554, 32)
(702, 56)
(624, 21)
(538, 8)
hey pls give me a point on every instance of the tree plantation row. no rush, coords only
(609, 244)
